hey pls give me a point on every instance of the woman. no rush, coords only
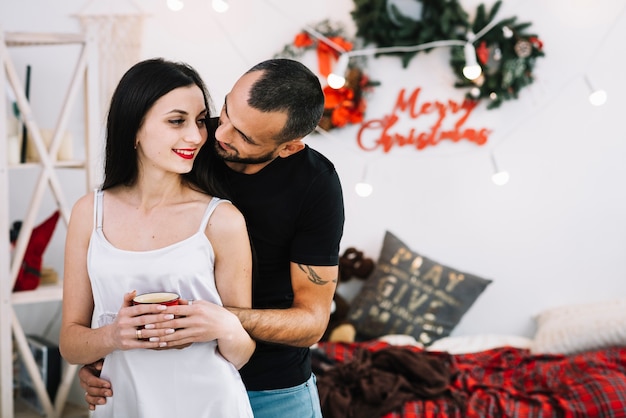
(152, 229)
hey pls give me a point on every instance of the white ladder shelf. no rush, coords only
(85, 73)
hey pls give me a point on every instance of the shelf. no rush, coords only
(85, 81)
(33, 39)
(22, 410)
(56, 164)
(43, 293)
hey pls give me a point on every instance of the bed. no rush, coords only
(504, 381)
(406, 362)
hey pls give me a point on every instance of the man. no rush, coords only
(291, 198)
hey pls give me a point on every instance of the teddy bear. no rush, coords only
(339, 329)
(353, 264)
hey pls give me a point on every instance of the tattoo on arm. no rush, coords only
(313, 276)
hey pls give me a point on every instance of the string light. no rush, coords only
(596, 97)
(471, 70)
(363, 188)
(499, 177)
(175, 5)
(220, 6)
(341, 66)
(470, 53)
(336, 79)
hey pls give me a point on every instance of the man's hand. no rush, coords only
(96, 389)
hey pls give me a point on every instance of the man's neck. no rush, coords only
(246, 168)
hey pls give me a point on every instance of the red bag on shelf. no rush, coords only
(29, 275)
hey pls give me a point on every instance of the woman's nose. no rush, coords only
(196, 135)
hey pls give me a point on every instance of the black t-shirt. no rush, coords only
(294, 213)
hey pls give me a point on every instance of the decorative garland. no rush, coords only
(345, 105)
(382, 23)
(506, 54)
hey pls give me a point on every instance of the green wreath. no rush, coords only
(381, 22)
(506, 54)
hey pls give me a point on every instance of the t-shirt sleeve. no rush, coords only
(320, 224)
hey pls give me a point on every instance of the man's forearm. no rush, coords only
(293, 326)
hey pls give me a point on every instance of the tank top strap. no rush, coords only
(209, 211)
(97, 208)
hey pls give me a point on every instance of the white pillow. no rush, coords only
(575, 328)
(477, 343)
(400, 339)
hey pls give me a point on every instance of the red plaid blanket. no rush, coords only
(511, 382)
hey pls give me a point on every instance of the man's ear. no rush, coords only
(290, 148)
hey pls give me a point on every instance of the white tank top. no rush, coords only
(192, 382)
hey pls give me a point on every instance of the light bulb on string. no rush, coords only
(363, 188)
(220, 6)
(471, 70)
(499, 177)
(596, 97)
(175, 5)
(337, 79)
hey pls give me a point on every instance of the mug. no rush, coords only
(162, 298)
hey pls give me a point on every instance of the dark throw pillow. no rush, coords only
(410, 294)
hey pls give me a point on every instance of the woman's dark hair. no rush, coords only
(288, 85)
(140, 87)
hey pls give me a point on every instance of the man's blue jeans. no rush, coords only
(300, 401)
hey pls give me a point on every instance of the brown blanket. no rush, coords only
(376, 383)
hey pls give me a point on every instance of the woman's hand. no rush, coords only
(194, 321)
(135, 325)
(202, 321)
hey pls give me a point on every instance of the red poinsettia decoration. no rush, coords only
(303, 40)
(341, 107)
(326, 54)
(482, 52)
(537, 43)
(345, 105)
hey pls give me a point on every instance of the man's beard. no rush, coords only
(234, 158)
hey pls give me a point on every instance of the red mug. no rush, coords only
(161, 298)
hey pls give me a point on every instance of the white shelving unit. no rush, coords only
(85, 73)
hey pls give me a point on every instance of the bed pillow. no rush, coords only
(480, 342)
(410, 294)
(574, 328)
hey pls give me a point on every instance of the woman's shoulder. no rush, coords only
(226, 216)
(81, 218)
(85, 202)
(226, 208)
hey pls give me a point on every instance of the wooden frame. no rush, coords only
(85, 71)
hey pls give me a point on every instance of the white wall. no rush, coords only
(555, 234)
